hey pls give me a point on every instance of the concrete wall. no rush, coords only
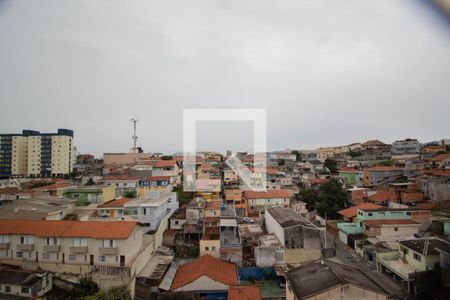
(274, 227)
(292, 256)
(213, 247)
(203, 283)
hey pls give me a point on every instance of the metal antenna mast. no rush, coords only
(134, 120)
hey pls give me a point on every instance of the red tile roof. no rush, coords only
(440, 157)
(427, 205)
(206, 265)
(412, 196)
(115, 203)
(121, 177)
(242, 292)
(379, 196)
(53, 186)
(87, 229)
(377, 223)
(384, 168)
(351, 211)
(213, 205)
(165, 163)
(158, 178)
(267, 194)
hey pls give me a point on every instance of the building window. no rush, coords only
(395, 228)
(7, 289)
(417, 257)
(45, 256)
(369, 214)
(25, 290)
(213, 248)
(72, 257)
(102, 258)
(19, 254)
(79, 242)
(206, 248)
(109, 243)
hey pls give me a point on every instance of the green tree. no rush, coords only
(298, 155)
(90, 181)
(386, 163)
(85, 287)
(328, 199)
(331, 165)
(129, 194)
(115, 293)
(355, 153)
(166, 157)
(332, 198)
(309, 196)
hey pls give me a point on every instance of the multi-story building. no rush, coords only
(376, 175)
(257, 201)
(107, 252)
(408, 146)
(152, 208)
(36, 154)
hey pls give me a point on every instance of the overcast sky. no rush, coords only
(328, 72)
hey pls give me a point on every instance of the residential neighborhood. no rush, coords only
(361, 225)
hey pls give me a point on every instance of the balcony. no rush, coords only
(25, 247)
(79, 249)
(4, 246)
(52, 248)
(108, 250)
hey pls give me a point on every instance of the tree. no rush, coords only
(298, 155)
(386, 163)
(166, 157)
(85, 287)
(114, 293)
(332, 198)
(310, 197)
(331, 165)
(90, 181)
(129, 194)
(328, 199)
(355, 153)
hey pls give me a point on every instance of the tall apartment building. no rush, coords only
(35, 154)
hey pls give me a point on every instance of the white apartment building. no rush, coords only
(152, 208)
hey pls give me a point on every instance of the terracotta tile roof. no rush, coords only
(412, 196)
(440, 157)
(213, 205)
(212, 219)
(427, 205)
(121, 177)
(242, 292)
(351, 211)
(267, 194)
(346, 169)
(165, 163)
(115, 203)
(206, 265)
(317, 181)
(379, 196)
(87, 229)
(384, 168)
(373, 143)
(53, 186)
(158, 178)
(377, 223)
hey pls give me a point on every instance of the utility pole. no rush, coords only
(134, 121)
